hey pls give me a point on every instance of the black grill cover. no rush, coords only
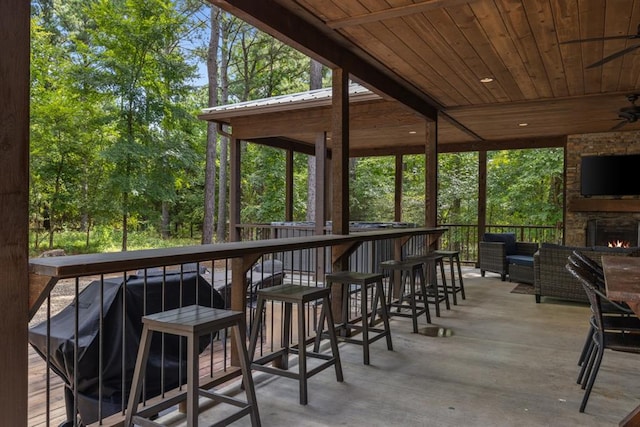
(122, 309)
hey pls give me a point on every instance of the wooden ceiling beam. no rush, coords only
(286, 144)
(406, 149)
(394, 12)
(515, 144)
(281, 23)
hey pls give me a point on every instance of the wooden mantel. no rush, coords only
(590, 204)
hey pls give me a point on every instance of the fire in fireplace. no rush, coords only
(619, 244)
(613, 233)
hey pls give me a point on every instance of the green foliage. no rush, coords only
(525, 186)
(458, 188)
(372, 189)
(115, 138)
(113, 130)
(263, 184)
(105, 239)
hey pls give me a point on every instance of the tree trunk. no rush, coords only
(222, 191)
(125, 201)
(315, 82)
(210, 165)
(224, 141)
(165, 221)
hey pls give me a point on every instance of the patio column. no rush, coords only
(431, 178)
(14, 217)
(431, 174)
(339, 177)
(397, 217)
(482, 194)
(340, 151)
(321, 198)
(321, 183)
(289, 187)
(234, 190)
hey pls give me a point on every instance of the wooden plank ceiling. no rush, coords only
(442, 49)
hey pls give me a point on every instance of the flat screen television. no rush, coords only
(610, 175)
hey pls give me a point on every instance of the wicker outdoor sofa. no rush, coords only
(551, 278)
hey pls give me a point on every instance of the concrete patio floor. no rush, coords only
(509, 362)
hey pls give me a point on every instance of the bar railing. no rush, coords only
(93, 334)
(459, 237)
(464, 237)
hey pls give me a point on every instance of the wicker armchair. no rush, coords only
(494, 254)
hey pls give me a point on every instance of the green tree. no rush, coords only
(525, 186)
(136, 46)
(458, 188)
(65, 113)
(372, 189)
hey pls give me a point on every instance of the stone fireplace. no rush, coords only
(590, 220)
(613, 233)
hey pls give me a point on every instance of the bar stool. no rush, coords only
(431, 261)
(454, 256)
(367, 319)
(410, 270)
(192, 322)
(299, 295)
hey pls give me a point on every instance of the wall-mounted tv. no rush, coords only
(610, 175)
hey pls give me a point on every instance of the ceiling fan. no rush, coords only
(614, 55)
(628, 114)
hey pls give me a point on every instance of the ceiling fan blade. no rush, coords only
(613, 56)
(619, 125)
(598, 39)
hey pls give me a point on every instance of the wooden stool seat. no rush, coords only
(192, 322)
(412, 271)
(431, 262)
(454, 256)
(299, 295)
(367, 319)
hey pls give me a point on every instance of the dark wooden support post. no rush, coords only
(340, 176)
(321, 198)
(397, 244)
(398, 189)
(234, 190)
(482, 194)
(14, 197)
(340, 152)
(289, 187)
(431, 178)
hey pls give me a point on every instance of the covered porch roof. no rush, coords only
(378, 125)
(483, 68)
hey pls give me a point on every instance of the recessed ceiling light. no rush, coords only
(486, 79)
(523, 124)
(412, 132)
